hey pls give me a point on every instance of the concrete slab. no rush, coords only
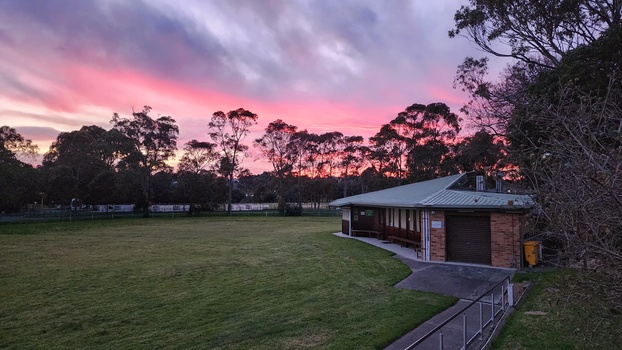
(462, 281)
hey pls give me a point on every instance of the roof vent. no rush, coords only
(479, 182)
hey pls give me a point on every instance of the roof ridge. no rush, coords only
(456, 180)
(446, 188)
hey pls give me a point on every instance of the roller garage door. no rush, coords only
(468, 238)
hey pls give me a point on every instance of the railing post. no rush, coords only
(464, 330)
(510, 294)
(440, 340)
(502, 300)
(481, 321)
(492, 309)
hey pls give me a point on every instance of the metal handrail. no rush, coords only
(462, 311)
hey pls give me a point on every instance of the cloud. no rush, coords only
(19, 116)
(348, 65)
(37, 132)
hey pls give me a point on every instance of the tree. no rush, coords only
(228, 131)
(19, 181)
(478, 152)
(562, 105)
(197, 183)
(389, 150)
(154, 141)
(432, 128)
(198, 156)
(353, 159)
(415, 143)
(537, 32)
(329, 150)
(13, 145)
(86, 152)
(275, 145)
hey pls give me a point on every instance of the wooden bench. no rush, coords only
(369, 233)
(404, 241)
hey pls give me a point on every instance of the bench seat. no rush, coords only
(404, 241)
(369, 233)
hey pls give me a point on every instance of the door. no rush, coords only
(468, 238)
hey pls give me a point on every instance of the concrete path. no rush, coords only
(461, 281)
(464, 281)
(395, 248)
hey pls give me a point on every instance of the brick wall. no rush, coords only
(505, 240)
(437, 237)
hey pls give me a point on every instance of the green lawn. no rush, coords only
(559, 314)
(216, 282)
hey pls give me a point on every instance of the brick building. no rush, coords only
(454, 218)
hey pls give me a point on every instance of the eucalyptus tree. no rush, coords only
(198, 157)
(389, 150)
(196, 172)
(14, 146)
(536, 34)
(76, 159)
(153, 142)
(228, 131)
(558, 106)
(415, 144)
(275, 145)
(19, 181)
(353, 159)
(480, 151)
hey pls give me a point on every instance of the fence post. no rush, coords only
(440, 340)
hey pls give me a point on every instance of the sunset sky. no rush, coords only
(347, 65)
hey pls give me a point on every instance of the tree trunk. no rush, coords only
(145, 185)
(230, 194)
(281, 205)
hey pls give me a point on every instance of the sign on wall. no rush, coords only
(437, 224)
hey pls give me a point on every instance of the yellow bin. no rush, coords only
(531, 252)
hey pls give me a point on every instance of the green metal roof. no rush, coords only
(436, 193)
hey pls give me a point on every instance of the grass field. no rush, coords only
(216, 282)
(559, 315)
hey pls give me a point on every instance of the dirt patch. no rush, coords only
(308, 340)
(535, 313)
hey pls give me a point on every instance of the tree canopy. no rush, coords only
(559, 108)
(153, 141)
